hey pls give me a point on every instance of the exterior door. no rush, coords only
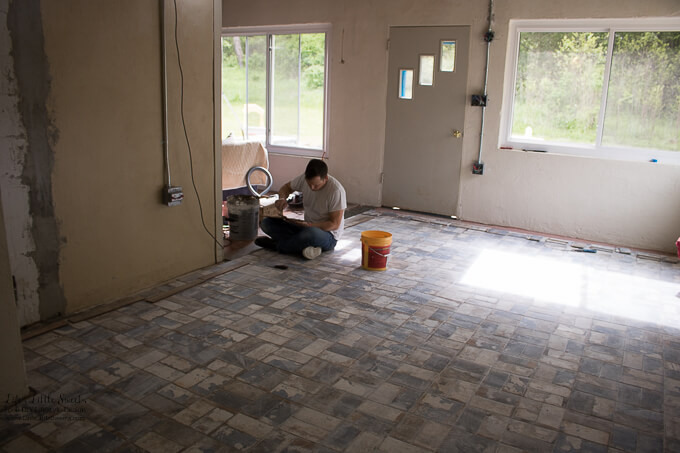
(426, 87)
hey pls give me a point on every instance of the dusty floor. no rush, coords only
(473, 339)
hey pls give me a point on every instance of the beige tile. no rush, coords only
(155, 443)
(193, 412)
(295, 356)
(550, 416)
(250, 426)
(385, 393)
(193, 377)
(212, 420)
(304, 430)
(178, 363)
(380, 411)
(270, 337)
(317, 418)
(431, 434)
(317, 347)
(353, 387)
(494, 426)
(262, 351)
(23, 444)
(491, 406)
(365, 442)
(584, 432)
(164, 371)
(148, 359)
(152, 314)
(531, 430)
(457, 389)
(392, 445)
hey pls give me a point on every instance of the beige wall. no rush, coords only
(624, 203)
(109, 171)
(619, 202)
(97, 193)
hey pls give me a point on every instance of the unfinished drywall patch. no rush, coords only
(31, 71)
(14, 193)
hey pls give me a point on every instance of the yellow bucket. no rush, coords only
(375, 248)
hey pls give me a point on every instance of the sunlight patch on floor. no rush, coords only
(540, 278)
(344, 244)
(576, 285)
(351, 250)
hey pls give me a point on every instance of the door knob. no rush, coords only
(457, 133)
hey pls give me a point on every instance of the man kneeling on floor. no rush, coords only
(324, 202)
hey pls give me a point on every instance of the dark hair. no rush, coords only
(316, 167)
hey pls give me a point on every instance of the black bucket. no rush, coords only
(244, 213)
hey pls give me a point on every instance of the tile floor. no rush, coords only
(474, 339)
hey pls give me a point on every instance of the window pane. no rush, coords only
(285, 89)
(243, 87)
(406, 84)
(558, 86)
(644, 91)
(254, 112)
(447, 60)
(313, 61)
(233, 86)
(426, 70)
(297, 90)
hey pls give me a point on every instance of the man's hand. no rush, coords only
(284, 191)
(281, 204)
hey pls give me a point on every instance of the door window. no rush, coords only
(406, 84)
(447, 56)
(426, 70)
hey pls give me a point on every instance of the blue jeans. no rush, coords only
(292, 238)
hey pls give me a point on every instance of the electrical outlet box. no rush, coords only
(172, 195)
(478, 168)
(478, 100)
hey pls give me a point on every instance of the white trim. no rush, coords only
(294, 151)
(217, 127)
(327, 90)
(605, 89)
(636, 24)
(578, 25)
(268, 31)
(276, 29)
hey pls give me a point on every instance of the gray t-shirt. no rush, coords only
(318, 204)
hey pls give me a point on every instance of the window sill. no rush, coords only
(294, 152)
(619, 154)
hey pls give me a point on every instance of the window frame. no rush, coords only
(596, 150)
(268, 31)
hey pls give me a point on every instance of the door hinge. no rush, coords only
(382, 177)
(388, 44)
